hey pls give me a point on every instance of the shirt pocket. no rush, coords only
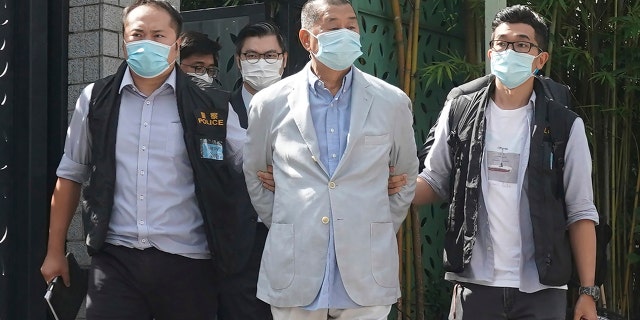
(175, 141)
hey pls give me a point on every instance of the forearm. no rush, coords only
(63, 204)
(424, 193)
(582, 235)
(400, 202)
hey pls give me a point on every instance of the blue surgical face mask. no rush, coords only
(338, 49)
(512, 68)
(148, 58)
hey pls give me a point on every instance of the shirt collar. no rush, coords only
(127, 80)
(315, 83)
(246, 96)
(532, 99)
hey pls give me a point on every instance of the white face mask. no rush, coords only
(261, 74)
(204, 77)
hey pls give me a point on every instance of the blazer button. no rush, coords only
(332, 185)
(325, 220)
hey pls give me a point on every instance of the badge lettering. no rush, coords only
(212, 120)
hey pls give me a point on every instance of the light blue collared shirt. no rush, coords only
(154, 197)
(331, 116)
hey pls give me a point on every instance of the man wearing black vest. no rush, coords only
(163, 204)
(515, 167)
(261, 57)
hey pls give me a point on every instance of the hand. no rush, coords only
(267, 179)
(55, 264)
(396, 182)
(585, 308)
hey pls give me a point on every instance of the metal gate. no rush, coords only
(33, 95)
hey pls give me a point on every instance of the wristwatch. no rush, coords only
(593, 291)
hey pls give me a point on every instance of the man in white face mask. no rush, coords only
(199, 57)
(261, 57)
(331, 133)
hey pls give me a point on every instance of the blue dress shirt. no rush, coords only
(331, 117)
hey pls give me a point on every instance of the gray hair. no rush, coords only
(312, 10)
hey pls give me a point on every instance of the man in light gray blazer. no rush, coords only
(331, 132)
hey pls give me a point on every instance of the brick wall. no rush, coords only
(95, 51)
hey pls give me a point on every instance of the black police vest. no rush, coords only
(221, 191)
(237, 103)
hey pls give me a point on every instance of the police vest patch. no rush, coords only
(211, 149)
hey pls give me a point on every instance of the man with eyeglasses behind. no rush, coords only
(514, 164)
(199, 57)
(261, 57)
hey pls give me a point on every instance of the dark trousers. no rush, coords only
(238, 298)
(477, 302)
(146, 284)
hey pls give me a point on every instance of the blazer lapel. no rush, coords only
(298, 101)
(361, 101)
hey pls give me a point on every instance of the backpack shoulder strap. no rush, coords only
(556, 91)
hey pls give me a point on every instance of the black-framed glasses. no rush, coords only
(270, 57)
(517, 46)
(200, 70)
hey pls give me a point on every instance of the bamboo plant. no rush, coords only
(409, 235)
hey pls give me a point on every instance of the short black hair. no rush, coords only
(524, 14)
(176, 18)
(311, 11)
(259, 29)
(194, 42)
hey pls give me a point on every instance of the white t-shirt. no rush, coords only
(503, 166)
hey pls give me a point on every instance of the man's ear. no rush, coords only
(304, 36)
(124, 50)
(541, 60)
(284, 62)
(178, 44)
(238, 62)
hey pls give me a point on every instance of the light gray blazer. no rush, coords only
(365, 217)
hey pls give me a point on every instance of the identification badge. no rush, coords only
(211, 149)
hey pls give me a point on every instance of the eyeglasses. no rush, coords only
(200, 70)
(517, 46)
(270, 57)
